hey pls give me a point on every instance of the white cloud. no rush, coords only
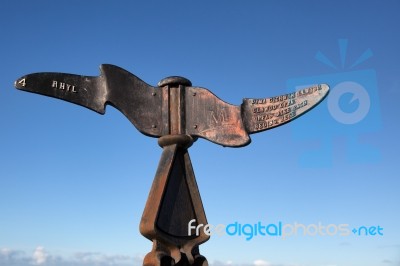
(39, 256)
(226, 263)
(42, 257)
(9, 257)
(261, 263)
(5, 252)
(100, 258)
(258, 262)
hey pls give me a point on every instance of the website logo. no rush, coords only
(351, 109)
(282, 230)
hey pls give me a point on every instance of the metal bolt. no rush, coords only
(153, 93)
(153, 126)
(195, 126)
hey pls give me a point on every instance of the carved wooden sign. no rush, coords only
(177, 113)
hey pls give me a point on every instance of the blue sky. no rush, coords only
(73, 183)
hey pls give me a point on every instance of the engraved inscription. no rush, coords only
(22, 82)
(287, 98)
(284, 108)
(266, 113)
(271, 112)
(264, 117)
(286, 112)
(217, 118)
(292, 108)
(308, 91)
(64, 86)
(282, 98)
(267, 124)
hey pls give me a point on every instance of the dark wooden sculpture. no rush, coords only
(177, 114)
